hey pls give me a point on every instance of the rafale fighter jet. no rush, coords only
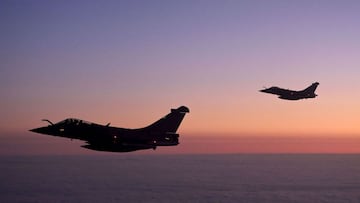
(107, 138)
(309, 92)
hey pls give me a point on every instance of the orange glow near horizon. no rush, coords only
(269, 116)
(271, 144)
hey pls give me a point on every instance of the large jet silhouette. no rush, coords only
(309, 92)
(107, 138)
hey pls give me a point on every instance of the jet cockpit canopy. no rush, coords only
(73, 121)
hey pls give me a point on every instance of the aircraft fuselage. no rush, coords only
(307, 93)
(108, 138)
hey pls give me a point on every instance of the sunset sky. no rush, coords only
(129, 62)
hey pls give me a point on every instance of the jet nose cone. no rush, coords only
(41, 130)
(35, 130)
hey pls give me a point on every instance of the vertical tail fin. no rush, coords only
(312, 87)
(171, 122)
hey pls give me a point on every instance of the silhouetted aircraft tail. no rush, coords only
(312, 87)
(171, 122)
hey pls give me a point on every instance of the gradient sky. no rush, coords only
(129, 62)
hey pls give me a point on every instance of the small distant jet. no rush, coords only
(309, 92)
(112, 139)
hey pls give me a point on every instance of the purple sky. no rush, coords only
(129, 62)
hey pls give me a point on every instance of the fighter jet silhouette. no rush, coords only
(107, 138)
(309, 92)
